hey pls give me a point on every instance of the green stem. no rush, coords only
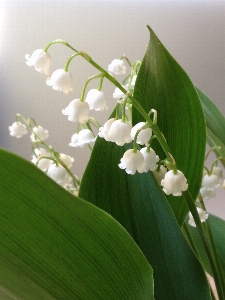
(211, 252)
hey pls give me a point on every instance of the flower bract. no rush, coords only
(61, 80)
(174, 183)
(117, 67)
(132, 162)
(96, 100)
(202, 215)
(119, 133)
(40, 60)
(17, 129)
(77, 111)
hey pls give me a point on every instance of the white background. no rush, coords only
(192, 31)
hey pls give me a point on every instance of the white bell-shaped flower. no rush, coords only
(132, 162)
(84, 137)
(61, 80)
(150, 159)
(210, 181)
(174, 183)
(160, 174)
(207, 193)
(118, 94)
(42, 134)
(117, 67)
(96, 100)
(67, 160)
(42, 163)
(103, 131)
(217, 171)
(40, 60)
(74, 140)
(77, 111)
(59, 175)
(119, 133)
(17, 129)
(202, 215)
(143, 136)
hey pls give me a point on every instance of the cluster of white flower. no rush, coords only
(57, 166)
(119, 131)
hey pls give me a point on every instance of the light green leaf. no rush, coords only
(217, 226)
(139, 204)
(163, 85)
(56, 246)
(215, 122)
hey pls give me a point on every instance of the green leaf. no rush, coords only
(217, 226)
(215, 122)
(163, 85)
(139, 204)
(54, 245)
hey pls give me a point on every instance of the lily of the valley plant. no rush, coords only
(135, 226)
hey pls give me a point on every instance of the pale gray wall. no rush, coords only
(193, 31)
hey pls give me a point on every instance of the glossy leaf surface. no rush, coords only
(139, 204)
(163, 85)
(56, 246)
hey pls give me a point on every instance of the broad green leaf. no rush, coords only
(215, 122)
(54, 245)
(139, 204)
(217, 226)
(163, 85)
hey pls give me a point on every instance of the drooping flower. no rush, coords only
(210, 181)
(59, 175)
(17, 129)
(66, 159)
(40, 60)
(74, 140)
(132, 162)
(119, 133)
(117, 67)
(202, 215)
(77, 111)
(103, 131)
(96, 100)
(42, 163)
(217, 171)
(61, 80)
(207, 193)
(150, 159)
(143, 136)
(42, 134)
(160, 174)
(118, 94)
(174, 183)
(84, 137)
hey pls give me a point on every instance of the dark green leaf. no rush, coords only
(215, 122)
(56, 246)
(139, 204)
(163, 85)
(217, 226)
